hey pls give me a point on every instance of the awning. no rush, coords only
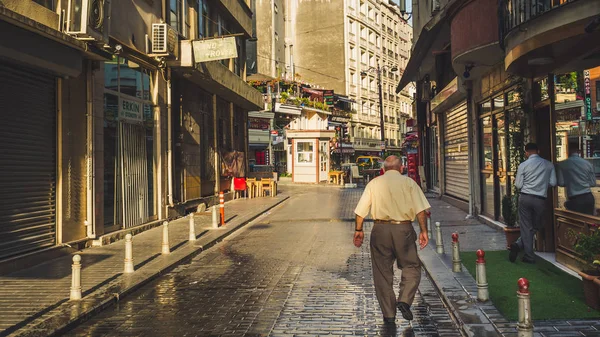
(345, 99)
(422, 48)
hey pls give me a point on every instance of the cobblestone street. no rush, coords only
(294, 272)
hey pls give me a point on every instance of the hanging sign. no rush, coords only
(214, 49)
(130, 110)
(588, 94)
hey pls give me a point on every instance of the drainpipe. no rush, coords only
(89, 222)
(169, 141)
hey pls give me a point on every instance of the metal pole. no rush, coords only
(482, 285)
(76, 278)
(524, 326)
(429, 234)
(128, 254)
(382, 126)
(456, 262)
(166, 249)
(439, 244)
(192, 227)
(215, 219)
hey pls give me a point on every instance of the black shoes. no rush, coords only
(514, 252)
(404, 308)
(528, 261)
(389, 320)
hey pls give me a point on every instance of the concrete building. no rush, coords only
(109, 123)
(492, 76)
(329, 44)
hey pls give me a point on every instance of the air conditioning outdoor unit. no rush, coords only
(598, 106)
(164, 40)
(88, 19)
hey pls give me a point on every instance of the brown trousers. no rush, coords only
(391, 243)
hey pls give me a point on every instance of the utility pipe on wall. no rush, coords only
(169, 141)
(89, 222)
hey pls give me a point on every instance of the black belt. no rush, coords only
(393, 222)
(533, 195)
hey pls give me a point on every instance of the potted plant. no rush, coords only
(509, 213)
(588, 248)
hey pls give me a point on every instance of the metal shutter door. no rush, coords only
(28, 160)
(456, 153)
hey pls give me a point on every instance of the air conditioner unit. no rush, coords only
(598, 106)
(88, 19)
(164, 40)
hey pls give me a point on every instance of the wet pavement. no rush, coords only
(293, 273)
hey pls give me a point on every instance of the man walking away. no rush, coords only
(577, 175)
(534, 176)
(393, 201)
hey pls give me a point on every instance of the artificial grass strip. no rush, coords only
(554, 293)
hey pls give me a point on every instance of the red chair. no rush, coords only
(239, 184)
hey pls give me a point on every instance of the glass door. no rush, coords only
(323, 160)
(487, 167)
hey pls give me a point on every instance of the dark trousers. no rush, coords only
(389, 244)
(583, 203)
(531, 209)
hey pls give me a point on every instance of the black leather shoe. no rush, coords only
(514, 252)
(405, 310)
(528, 261)
(389, 320)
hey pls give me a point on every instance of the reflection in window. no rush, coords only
(501, 147)
(486, 141)
(304, 152)
(485, 107)
(498, 102)
(516, 139)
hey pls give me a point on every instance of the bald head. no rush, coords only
(392, 163)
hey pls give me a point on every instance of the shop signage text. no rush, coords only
(568, 115)
(588, 94)
(214, 49)
(258, 123)
(130, 110)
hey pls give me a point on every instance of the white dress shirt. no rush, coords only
(577, 175)
(535, 175)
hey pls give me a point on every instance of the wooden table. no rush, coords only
(337, 177)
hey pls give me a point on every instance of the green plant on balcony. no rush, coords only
(284, 97)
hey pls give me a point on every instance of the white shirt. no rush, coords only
(577, 175)
(535, 175)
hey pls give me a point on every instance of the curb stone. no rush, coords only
(69, 314)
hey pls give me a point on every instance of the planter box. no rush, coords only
(591, 289)
(512, 235)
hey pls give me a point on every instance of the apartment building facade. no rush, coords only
(111, 125)
(329, 44)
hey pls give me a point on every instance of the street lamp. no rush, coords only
(378, 70)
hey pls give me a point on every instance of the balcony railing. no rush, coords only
(518, 12)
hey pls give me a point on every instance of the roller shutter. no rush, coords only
(28, 160)
(456, 152)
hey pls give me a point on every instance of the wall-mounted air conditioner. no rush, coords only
(88, 19)
(164, 40)
(598, 106)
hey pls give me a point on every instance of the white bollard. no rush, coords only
(429, 234)
(439, 244)
(166, 249)
(456, 262)
(524, 326)
(76, 279)
(192, 228)
(215, 217)
(482, 285)
(128, 254)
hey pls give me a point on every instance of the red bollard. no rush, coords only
(524, 326)
(456, 262)
(482, 285)
(222, 207)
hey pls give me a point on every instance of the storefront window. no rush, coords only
(128, 145)
(577, 134)
(304, 152)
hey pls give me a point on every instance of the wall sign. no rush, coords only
(588, 94)
(130, 110)
(258, 123)
(214, 49)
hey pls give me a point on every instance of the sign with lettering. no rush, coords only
(258, 123)
(588, 94)
(214, 49)
(130, 110)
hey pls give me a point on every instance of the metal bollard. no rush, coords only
(439, 244)
(482, 285)
(222, 207)
(76, 279)
(128, 254)
(215, 219)
(192, 227)
(456, 262)
(166, 249)
(429, 225)
(524, 326)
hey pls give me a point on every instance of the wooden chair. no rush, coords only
(265, 185)
(251, 185)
